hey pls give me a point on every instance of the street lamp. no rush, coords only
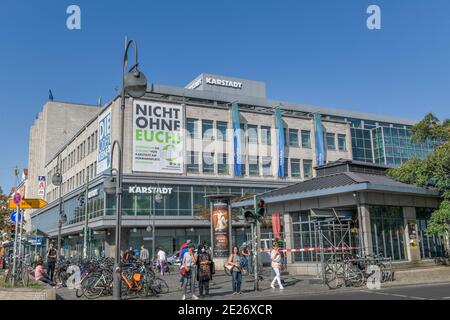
(57, 181)
(135, 85)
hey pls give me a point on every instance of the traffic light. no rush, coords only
(81, 200)
(249, 214)
(260, 210)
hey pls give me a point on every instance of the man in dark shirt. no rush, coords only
(51, 260)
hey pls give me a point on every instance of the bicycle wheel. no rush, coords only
(25, 278)
(333, 276)
(80, 291)
(124, 289)
(94, 287)
(160, 286)
(355, 277)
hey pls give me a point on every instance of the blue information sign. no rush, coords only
(13, 216)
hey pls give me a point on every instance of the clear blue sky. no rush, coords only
(318, 52)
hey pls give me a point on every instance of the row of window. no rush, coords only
(74, 182)
(85, 148)
(249, 133)
(211, 164)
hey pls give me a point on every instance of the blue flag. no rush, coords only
(280, 141)
(50, 95)
(237, 138)
(320, 143)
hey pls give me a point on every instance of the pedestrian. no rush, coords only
(245, 255)
(275, 256)
(144, 255)
(161, 260)
(188, 272)
(51, 260)
(2, 256)
(234, 261)
(204, 270)
(40, 274)
(183, 250)
(36, 259)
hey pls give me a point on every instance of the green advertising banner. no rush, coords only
(158, 143)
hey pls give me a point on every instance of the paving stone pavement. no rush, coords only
(221, 287)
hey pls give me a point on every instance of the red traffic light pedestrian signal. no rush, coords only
(261, 210)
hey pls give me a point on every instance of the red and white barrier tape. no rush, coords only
(315, 249)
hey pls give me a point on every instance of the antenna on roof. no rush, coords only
(50, 95)
(99, 102)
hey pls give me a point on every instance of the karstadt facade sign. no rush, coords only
(223, 83)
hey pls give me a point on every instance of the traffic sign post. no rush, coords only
(17, 198)
(28, 203)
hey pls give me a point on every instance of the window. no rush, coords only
(222, 165)
(89, 144)
(285, 137)
(331, 144)
(208, 162)
(265, 135)
(192, 163)
(95, 141)
(222, 131)
(307, 168)
(207, 130)
(293, 137)
(252, 132)
(286, 167)
(267, 166)
(341, 142)
(295, 168)
(253, 166)
(306, 139)
(192, 128)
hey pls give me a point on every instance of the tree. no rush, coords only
(5, 223)
(432, 171)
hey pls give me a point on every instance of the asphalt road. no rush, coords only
(410, 292)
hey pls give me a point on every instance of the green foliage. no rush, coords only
(439, 223)
(433, 171)
(5, 224)
(431, 128)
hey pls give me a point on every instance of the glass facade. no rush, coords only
(388, 232)
(385, 144)
(430, 246)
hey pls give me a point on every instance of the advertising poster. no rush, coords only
(41, 187)
(104, 141)
(158, 144)
(220, 226)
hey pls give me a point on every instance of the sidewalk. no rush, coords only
(221, 287)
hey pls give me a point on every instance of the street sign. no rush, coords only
(37, 241)
(28, 204)
(17, 198)
(13, 216)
